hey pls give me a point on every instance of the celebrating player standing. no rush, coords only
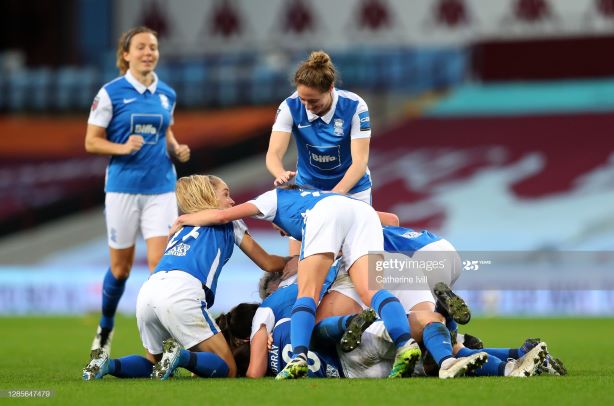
(130, 120)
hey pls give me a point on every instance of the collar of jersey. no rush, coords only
(329, 115)
(141, 87)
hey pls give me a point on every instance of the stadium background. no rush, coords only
(492, 126)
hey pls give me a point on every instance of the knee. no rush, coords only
(120, 270)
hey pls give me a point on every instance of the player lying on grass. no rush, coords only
(370, 359)
(173, 302)
(326, 223)
(276, 307)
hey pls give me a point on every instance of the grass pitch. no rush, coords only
(48, 353)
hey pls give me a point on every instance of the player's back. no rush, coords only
(401, 239)
(201, 252)
(321, 365)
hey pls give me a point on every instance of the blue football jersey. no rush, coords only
(323, 143)
(287, 208)
(201, 252)
(401, 239)
(321, 365)
(136, 110)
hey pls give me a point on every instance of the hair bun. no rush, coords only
(319, 59)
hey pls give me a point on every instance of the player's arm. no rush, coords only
(278, 145)
(388, 219)
(180, 151)
(96, 142)
(211, 217)
(258, 354)
(360, 158)
(266, 261)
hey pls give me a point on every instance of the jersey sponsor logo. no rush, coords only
(179, 250)
(338, 123)
(365, 121)
(128, 101)
(95, 103)
(324, 158)
(164, 101)
(148, 126)
(145, 129)
(304, 125)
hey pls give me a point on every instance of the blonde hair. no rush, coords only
(317, 72)
(123, 45)
(197, 192)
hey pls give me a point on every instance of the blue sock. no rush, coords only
(437, 340)
(303, 319)
(503, 353)
(112, 290)
(329, 331)
(132, 366)
(390, 310)
(493, 367)
(203, 364)
(450, 323)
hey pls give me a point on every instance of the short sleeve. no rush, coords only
(239, 229)
(361, 122)
(283, 119)
(263, 316)
(173, 113)
(101, 111)
(266, 204)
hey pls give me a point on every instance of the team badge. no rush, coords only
(338, 127)
(164, 101)
(95, 103)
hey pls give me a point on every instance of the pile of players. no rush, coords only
(280, 337)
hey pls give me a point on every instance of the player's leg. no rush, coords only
(335, 311)
(122, 216)
(155, 250)
(211, 358)
(343, 316)
(180, 306)
(363, 238)
(526, 365)
(131, 366)
(152, 334)
(436, 338)
(312, 272)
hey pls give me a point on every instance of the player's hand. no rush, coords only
(269, 342)
(134, 143)
(175, 227)
(182, 153)
(284, 178)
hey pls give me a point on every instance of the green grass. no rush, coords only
(49, 353)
